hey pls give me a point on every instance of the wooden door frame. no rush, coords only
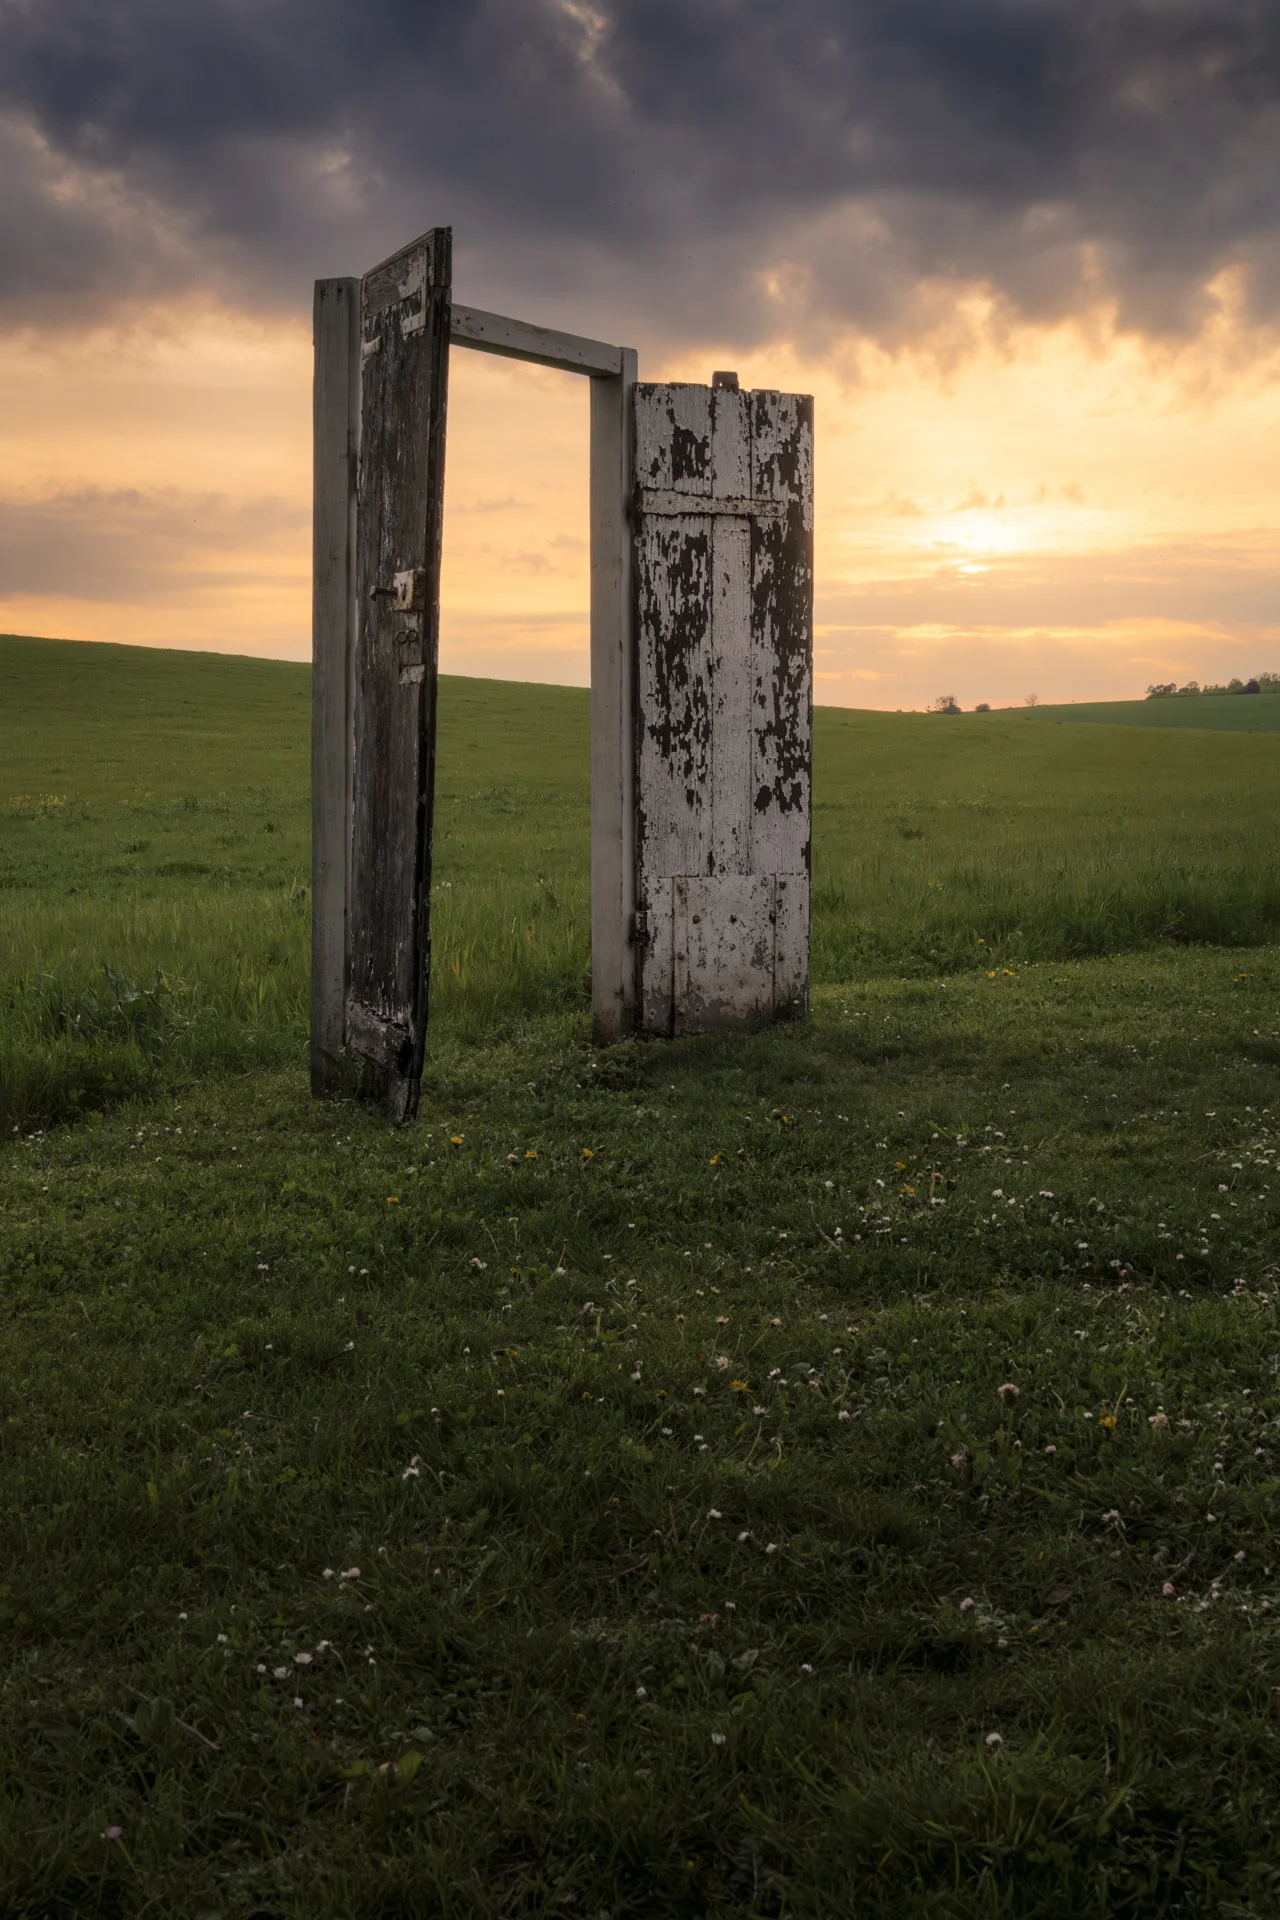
(612, 372)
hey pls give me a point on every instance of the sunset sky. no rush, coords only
(1023, 252)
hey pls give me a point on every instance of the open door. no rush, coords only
(723, 570)
(381, 367)
(404, 365)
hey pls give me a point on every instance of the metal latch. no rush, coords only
(407, 592)
(640, 927)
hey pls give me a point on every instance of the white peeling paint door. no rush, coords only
(723, 568)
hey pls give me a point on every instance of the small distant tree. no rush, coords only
(1192, 686)
(1162, 689)
(1252, 686)
(983, 706)
(1031, 699)
(945, 703)
(1268, 683)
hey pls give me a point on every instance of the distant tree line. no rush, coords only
(1263, 683)
(947, 703)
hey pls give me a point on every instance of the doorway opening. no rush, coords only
(510, 907)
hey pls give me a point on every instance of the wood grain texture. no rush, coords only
(782, 634)
(673, 438)
(723, 519)
(723, 944)
(732, 791)
(791, 946)
(543, 346)
(614, 977)
(404, 373)
(335, 447)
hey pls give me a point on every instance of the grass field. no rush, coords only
(821, 1472)
(1236, 712)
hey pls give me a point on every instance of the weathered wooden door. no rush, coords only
(404, 379)
(723, 567)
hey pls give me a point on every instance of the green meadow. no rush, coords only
(1238, 713)
(825, 1471)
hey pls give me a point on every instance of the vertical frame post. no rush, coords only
(613, 835)
(336, 438)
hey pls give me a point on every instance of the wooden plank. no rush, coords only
(657, 957)
(731, 792)
(673, 640)
(673, 438)
(730, 634)
(335, 445)
(724, 952)
(614, 983)
(673, 731)
(404, 360)
(791, 946)
(782, 634)
(730, 450)
(544, 346)
(782, 450)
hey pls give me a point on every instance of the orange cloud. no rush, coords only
(1062, 503)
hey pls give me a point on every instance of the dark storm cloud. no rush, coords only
(671, 170)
